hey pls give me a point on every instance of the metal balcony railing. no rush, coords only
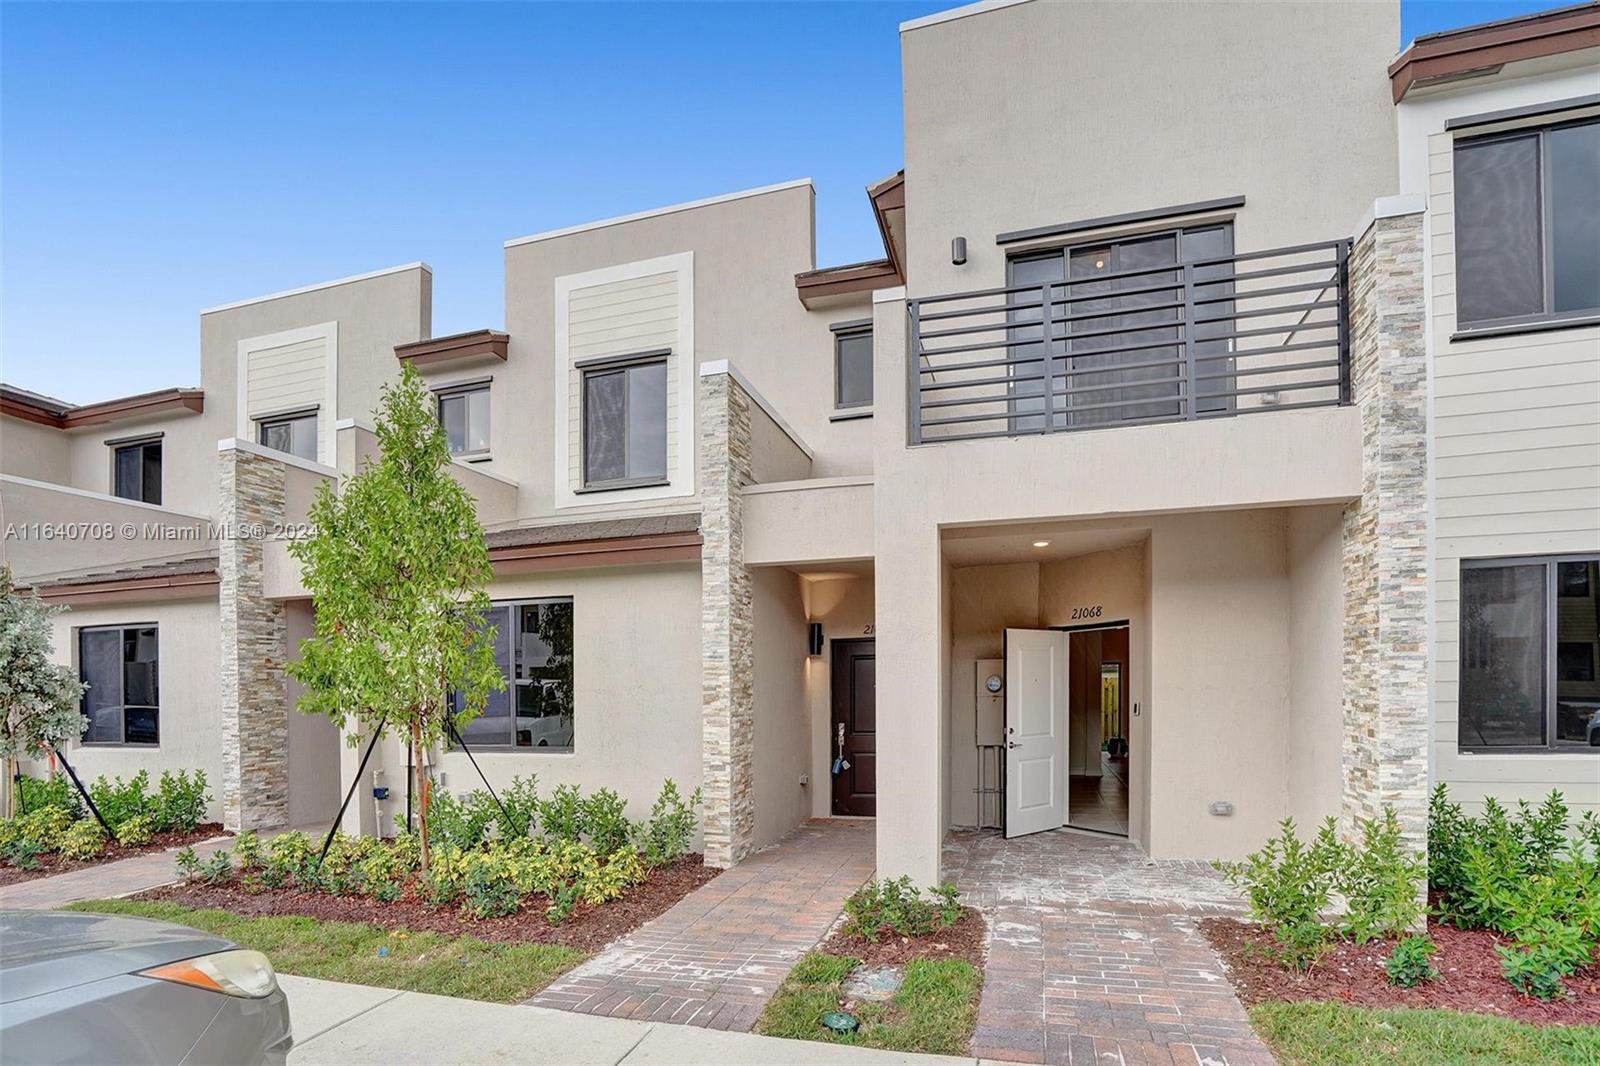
(1209, 338)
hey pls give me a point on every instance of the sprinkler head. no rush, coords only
(841, 1021)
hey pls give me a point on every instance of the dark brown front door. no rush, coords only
(855, 718)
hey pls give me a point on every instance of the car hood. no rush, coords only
(43, 951)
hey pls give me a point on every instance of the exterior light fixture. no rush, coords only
(1041, 544)
(958, 251)
(814, 639)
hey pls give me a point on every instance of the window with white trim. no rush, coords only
(121, 667)
(625, 423)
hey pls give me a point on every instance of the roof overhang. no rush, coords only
(478, 344)
(178, 580)
(819, 288)
(1484, 49)
(601, 542)
(25, 405)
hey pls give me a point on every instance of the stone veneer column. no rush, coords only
(1385, 756)
(255, 711)
(726, 622)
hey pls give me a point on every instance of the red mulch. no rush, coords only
(1469, 976)
(588, 928)
(54, 863)
(963, 940)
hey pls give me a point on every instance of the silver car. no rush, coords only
(98, 988)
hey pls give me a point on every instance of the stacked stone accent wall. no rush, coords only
(1385, 756)
(255, 710)
(727, 622)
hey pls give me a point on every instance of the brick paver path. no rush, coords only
(718, 955)
(1094, 956)
(121, 878)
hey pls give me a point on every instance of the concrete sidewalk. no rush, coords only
(106, 881)
(345, 1025)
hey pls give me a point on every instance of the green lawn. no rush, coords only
(934, 1011)
(1329, 1034)
(345, 951)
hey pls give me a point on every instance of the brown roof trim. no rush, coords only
(173, 580)
(478, 343)
(889, 195)
(851, 277)
(1488, 46)
(612, 551)
(25, 405)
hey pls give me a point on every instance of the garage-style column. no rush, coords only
(726, 618)
(1386, 531)
(254, 642)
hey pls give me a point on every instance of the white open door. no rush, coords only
(1036, 730)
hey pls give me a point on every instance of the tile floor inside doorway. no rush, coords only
(1100, 803)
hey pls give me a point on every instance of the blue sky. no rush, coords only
(157, 159)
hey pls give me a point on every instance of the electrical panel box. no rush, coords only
(991, 701)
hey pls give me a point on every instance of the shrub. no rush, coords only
(561, 816)
(290, 858)
(21, 853)
(45, 827)
(84, 840)
(463, 822)
(136, 832)
(898, 906)
(118, 800)
(562, 904)
(181, 799)
(669, 831)
(605, 822)
(216, 868)
(1289, 884)
(188, 864)
(1380, 881)
(34, 793)
(247, 850)
(1411, 962)
(521, 802)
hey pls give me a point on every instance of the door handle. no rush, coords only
(1013, 744)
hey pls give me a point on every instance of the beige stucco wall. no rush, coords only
(47, 530)
(189, 691)
(313, 741)
(746, 252)
(1284, 103)
(1316, 627)
(30, 450)
(814, 521)
(1515, 441)
(782, 713)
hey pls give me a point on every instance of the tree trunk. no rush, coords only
(416, 763)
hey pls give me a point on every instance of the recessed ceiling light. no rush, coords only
(1041, 544)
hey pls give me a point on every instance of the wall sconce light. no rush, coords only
(958, 251)
(814, 639)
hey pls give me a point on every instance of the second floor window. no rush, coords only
(625, 424)
(852, 366)
(1528, 225)
(136, 471)
(464, 414)
(121, 666)
(293, 433)
(1530, 638)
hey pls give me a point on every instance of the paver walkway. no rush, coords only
(121, 878)
(1094, 956)
(718, 955)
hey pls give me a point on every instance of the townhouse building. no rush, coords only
(1153, 454)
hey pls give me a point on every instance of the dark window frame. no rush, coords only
(510, 611)
(841, 331)
(281, 418)
(122, 705)
(1552, 641)
(462, 391)
(595, 368)
(141, 445)
(1549, 318)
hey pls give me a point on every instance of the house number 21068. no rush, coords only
(1080, 613)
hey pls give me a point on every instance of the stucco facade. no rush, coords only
(1280, 575)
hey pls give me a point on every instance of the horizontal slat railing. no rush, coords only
(1209, 338)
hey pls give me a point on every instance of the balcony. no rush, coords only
(1199, 339)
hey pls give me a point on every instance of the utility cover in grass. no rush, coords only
(877, 984)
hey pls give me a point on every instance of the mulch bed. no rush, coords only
(963, 940)
(54, 863)
(1469, 976)
(587, 929)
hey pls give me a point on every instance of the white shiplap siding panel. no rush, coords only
(1582, 395)
(1463, 467)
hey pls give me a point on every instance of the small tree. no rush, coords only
(397, 570)
(38, 697)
